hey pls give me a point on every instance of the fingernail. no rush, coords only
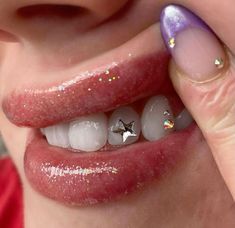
(194, 47)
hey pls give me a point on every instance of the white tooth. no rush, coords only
(127, 115)
(57, 135)
(156, 111)
(183, 120)
(89, 133)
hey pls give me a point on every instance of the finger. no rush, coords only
(203, 74)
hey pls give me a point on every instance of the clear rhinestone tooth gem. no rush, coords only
(167, 113)
(168, 124)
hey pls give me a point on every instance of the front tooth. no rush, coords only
(57, 135)
(127, 115)
(88, 133)
(183, 120)
(156, 112)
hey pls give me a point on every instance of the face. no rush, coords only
(92, 121)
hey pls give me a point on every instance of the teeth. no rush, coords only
(57, 135)
(89, 133)
(156, 111)
(127, 115)
(183, 120)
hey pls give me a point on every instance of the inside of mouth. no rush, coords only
(148, 119)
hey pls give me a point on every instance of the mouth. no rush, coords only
(105, 133)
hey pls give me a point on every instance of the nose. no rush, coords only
(34, 19)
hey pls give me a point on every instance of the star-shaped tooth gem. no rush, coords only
(125, 130)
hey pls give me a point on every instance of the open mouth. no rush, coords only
(105, 133)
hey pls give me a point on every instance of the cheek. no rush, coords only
(193, 188)
(15, 140)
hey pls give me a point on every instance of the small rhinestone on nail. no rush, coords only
(168, 124)
(219, 63)
(171, 42)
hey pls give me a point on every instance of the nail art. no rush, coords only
(195, 48)
(174, 19)
(219, 63)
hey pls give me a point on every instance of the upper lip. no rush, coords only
(103, 89)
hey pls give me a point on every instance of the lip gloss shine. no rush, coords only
(97, 92)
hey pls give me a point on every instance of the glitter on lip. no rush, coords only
(91, 92)
(53, 172)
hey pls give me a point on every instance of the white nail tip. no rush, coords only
(183, 120)
(127, 115)
(57, 135)
(89, 133)
(156, 111)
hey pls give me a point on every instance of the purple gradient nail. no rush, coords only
(174, 19)
(194, 47)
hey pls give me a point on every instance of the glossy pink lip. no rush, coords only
(88, 178)
(98, 91)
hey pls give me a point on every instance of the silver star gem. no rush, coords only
(125, 130)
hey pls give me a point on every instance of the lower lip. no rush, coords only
(91, 178)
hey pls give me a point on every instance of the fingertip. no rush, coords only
(196, 50)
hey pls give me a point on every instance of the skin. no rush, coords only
(193, 195)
